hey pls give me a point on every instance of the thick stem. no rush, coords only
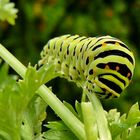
(70, 120)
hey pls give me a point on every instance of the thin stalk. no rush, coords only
(60, 109)
(89, 121)
(104, 133)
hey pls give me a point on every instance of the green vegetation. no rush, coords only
(23, 102)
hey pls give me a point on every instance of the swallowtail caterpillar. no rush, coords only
(104, 65)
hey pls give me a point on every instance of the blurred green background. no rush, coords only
(40, 20)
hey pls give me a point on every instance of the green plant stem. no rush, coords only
(104, 133)
(60, 109)
(89, 121)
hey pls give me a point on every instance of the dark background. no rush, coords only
(40, 20)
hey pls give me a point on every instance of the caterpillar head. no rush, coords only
(112, 68)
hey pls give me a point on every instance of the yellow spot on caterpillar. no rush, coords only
(107, 67)
(104, 44)
(117, 68)
(128, 74)
(116, 43)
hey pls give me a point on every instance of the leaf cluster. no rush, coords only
(122, 127)
(7, 11)
(21, 110)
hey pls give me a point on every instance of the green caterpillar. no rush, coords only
(104, 65)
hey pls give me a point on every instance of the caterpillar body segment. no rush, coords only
(104, 64)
